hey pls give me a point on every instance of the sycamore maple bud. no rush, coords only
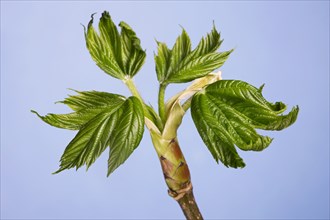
(200, 83)
(196, 86)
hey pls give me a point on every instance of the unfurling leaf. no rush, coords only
(227, 113)
(103, 120)
(118, 54)
(181, 64)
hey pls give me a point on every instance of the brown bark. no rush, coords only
(189, 206)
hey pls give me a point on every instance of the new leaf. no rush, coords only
(103, 120)
(227, 113)
(118, 54)
(181, 64)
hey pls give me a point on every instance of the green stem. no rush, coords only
(131, 86)
(161, 102)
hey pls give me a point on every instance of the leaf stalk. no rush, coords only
(186, 105)
(131, 86)
(161, 102)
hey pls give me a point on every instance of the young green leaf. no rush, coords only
(133, 55)
(127, 133)
(180, 64)
(227, 113)
(208, 44)
(92, 99)
(103, 120)
(119, 55)
(86, 106)
(190, 69)
(180, 50)
(162, 61)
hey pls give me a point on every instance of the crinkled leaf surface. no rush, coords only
(118, 54)
(227, 113)
(103, 120)
(181, 64)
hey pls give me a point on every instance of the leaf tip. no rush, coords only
(110, 170)
(35, 112)
(57, 171)
(266, 141)
(106, 14)
(85, 32)
(261, 88)
(59, 102)
(91, 21)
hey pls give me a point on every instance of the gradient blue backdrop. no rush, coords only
(282, 44)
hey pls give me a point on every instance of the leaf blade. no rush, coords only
(102, 52)
(133, 55)
(208, 44)
(219, 146)
(162, 61)
(227, 113)
(180, 64)
(92, 99)
(199, 67)
(180, 51)
(77, 151)
(119, 55)
(103, 120)
(248, 100)
(86, 105)
(128, 133)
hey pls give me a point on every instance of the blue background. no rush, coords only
(282, 44)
